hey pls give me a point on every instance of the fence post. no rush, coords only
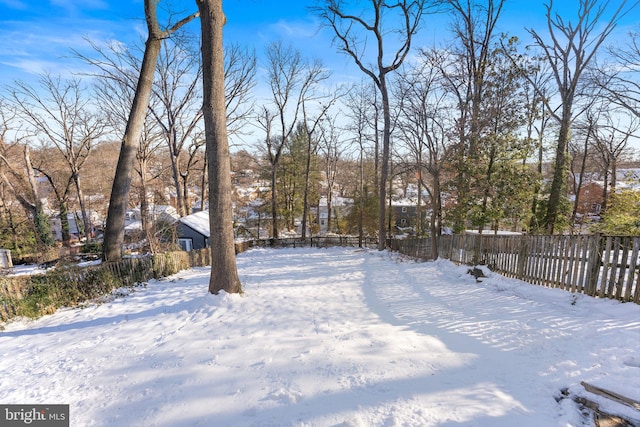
(593, 264)
(523, 253)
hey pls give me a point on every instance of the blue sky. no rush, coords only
(37, 35)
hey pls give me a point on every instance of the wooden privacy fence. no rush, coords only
(599, 266)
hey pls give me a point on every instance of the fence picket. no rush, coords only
(606, 263)
(633, 265)
(574, 264)
(615, 261)
(623, 263)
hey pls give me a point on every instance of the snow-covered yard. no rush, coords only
(328, 337)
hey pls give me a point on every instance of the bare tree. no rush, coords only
(291, 80)
(611, 143)
(536, 91)
(619, 80)
(224, 273)
(178, 113)
(580, 149)
(115, 96)
(19, 178)
(424, 128)
(361, 110)
(571, 48)
(330, 147)
(239, 80)
(312, 127)
(114, 232)
(174, 108)
(61, 116)
(352, 34)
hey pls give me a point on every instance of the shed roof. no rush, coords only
(199, 222)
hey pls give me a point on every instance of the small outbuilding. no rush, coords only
(193, 231)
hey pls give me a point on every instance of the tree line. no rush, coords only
(494, 134)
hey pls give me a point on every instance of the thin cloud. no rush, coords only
(33, 66)
(14, 4)
(297, 29)
(74, 7)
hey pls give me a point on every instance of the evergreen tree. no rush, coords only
(622, 218)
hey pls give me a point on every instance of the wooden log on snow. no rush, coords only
(611, 395)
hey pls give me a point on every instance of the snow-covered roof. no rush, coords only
(133, 225)
(336, 201)
(198, 221)
(625, 178)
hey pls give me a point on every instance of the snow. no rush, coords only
(198, 221)
(328, 337)
(25, 270)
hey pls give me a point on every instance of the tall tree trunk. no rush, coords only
(64, 223)
(605, 190)
(361, 187)
(119, 201)
(583, 166)
(384, 169)
(487, 191)
(533, 222)
(305, 202)
(274, 206)
(114, 232)
(559, 171)
(329, 211)
(184, 189)
(175, 170)
(436, 217)
(203, 184)
(40, 220)
(83, 209)
(224, 274)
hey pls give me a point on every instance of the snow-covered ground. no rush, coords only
(327, 337)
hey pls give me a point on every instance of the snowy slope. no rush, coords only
(334, 337)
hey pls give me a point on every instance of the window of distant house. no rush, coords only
(186, 244)
(404, 209)
(586, 192)
(322, 222)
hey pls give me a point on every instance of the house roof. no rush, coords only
(198, 221)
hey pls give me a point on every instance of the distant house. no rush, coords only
(405, 213)
(74, 220)
(193, 231)
(590, 199)
(340, 208)
(157, 213)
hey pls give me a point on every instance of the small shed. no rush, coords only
(5, 259)
(193, 231)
